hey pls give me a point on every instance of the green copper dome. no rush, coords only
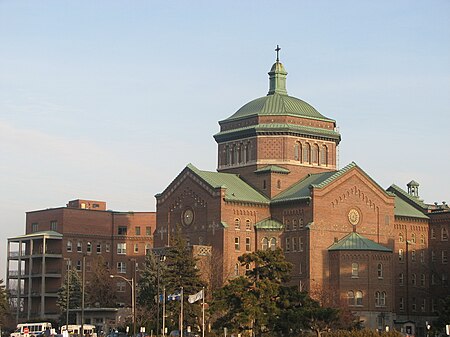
(277, 101)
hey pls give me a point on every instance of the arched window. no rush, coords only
(413, 279)
(355, 269)
(294, 224)
(228, 155)
(315, 154)
(237, 223)
(69, 246)
(264, 184)
(444, 234)
(148, 249)
(413, 238)
(380, 270)
(272, 243)
(351, 297)
(400, 255)
(307, 153)
(382, 299)
(359, 297)
(241, 153)
(264, 243)
(324, 156)
(422, 239)
(297, 151)
(247, 152)
(235, 154)
(248, 225)
(377, 298)
(400, 237)
(422, 280)
(288, 244)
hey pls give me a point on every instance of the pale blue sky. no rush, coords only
(109, 100)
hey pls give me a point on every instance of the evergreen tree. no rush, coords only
(4, 305)
(74, 293)
(100, 287)
(438, 326)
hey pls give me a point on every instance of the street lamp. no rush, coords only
(161, 258)
(133, 300)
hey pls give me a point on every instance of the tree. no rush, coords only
(74, 294)
(4, 305)
(250, 302)
(100, 287)
(443, 316)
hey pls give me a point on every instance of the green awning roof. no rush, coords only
(269, 224)
(272, 168)
(355, 241)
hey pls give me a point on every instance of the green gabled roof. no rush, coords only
(354, 241)
(278, 104)
(236, 188)
(402, 208)
(269, 224)
(405, 195)
(277, 127)
(272, 168)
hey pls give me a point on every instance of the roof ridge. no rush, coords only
(416, 200)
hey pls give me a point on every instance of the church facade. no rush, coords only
(383, 253)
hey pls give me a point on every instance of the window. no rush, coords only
(433, 306)
(413, 256)
(300, 268)
(324, 156)
(444, 279)
(288, 225)
(236, 269)
(53, 225)
(380, 299)
(147, 249)
(122, 230)
(380, 270)
(121, 286)
(79, 265)
(137, 230)
(433, 233)
(34, 227)
(444, 256)
(237, 224)
(248, 225)
(69, 246)
(247, 244)
(99, 248)
(355, 270)
(433, 279)
(422, 256)
(122, 248)
(401, 237)
(401, 303)
(413, 279)
(264, 243)
(315, 154)
(300, 223)
(294, 244)
(400, 279)
(272, 243)
(414, 306)
(288, 244)
(121, 268)
(300, 244)
(279, 184)
(351, 298)
(136, 248)
(294, 224)
(422, 280)
(237, 245)
(422, 239)
(148, 231)
(359, 298)
(264, 184)
(306, 153)
(79, 247)
(107, 248)
(297, 151)
(433, 256)
(88, 247)
(413, 238)
(400, 255)
(444, 234)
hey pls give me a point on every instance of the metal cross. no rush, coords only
(162, 231)
(213, 226)
(278, 50)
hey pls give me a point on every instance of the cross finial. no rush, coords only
(278, 50)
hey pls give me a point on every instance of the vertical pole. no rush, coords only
(203, 312)
(133, 304)
(68, 295)
(158, 295)
(181, 314)
(164, 313)
(83, 276)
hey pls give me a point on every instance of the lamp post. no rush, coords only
(68, 293)
(83, 276)
(160, 258)
(133, 301)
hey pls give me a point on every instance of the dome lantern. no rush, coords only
(277, 77)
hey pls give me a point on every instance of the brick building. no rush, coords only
(380, 252)
(37, 261)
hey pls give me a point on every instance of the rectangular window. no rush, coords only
(148, 231)
(121, 248)
(121, 268)
(294, 244)
(69, 246)
(107, 248)
(53, 225)
(444, 256)
(99, 248)
(122, 230)
(121, 286)
(147, 249)
(413, 256)
(400, 255)
(433, 256)
(247, 244)
(136, 248)
(355, 270)
(422, 256)
(34, 227)
(401, 304)
(444, 234)
(137, 230)
(79, 247)
(236, 244)
(423, 305)
(88, 247)
(288, 244)
(300, 244)
(433, 233)
(79, 265)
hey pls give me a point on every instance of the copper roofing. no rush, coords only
(355, 241)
